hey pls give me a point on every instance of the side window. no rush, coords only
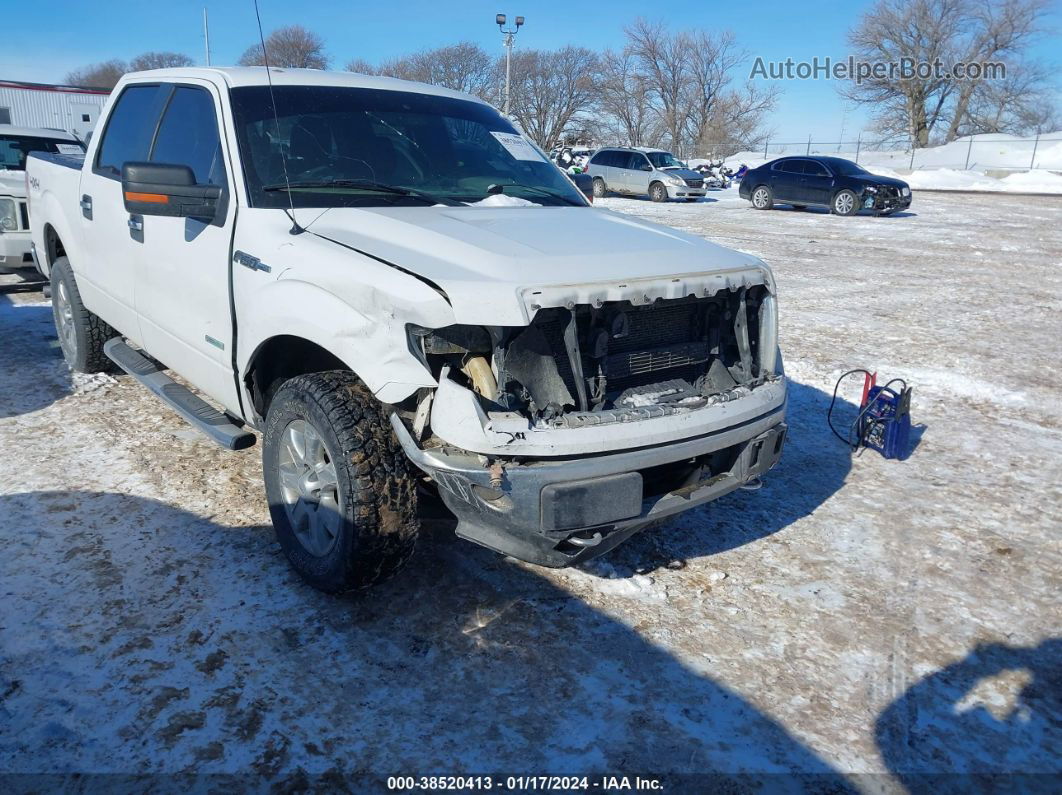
(5, 115)
(640, 161)
(599, 159)
(815, 169)
(188, 135)
(130, 127)
(794, 167)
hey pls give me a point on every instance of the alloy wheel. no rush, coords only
(310, 487)
(64, 316)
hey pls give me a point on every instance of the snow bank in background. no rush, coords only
(951, 179)
(1034, 182)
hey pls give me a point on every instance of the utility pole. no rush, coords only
(508, 42)
(206, 36)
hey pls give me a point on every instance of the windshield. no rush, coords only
(14, 148)
(664, 160)
(847, 168)
(432, 147)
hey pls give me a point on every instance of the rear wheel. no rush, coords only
(845, 203)
(762, 198)
(657, 192)
(81, 333)
(341, 491)
(599, 188)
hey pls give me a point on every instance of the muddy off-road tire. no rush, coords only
(341, 492)
(81, 333)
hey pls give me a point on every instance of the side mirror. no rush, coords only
(171, 190)
(585, 183)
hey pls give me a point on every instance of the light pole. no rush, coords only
(508, 41)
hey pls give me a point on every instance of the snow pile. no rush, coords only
(502, 200)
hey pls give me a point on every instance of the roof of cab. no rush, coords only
(38, 132)
(237, 76)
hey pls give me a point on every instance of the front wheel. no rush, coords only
(762, 198)
(341, 491)
(599, 188)
(657, 192)
(845, 203)
(81, 333)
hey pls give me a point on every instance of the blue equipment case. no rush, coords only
(885, 421)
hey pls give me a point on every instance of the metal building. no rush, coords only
(42, 105)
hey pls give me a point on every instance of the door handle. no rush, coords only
(136, 223)
(86, 206)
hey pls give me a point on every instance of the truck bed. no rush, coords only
(54, 182)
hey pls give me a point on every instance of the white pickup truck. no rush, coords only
(16, 143)
(408, 301)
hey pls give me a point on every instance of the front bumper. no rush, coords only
(684, 192)
(560, 512)
(886, 202)
(16, 251)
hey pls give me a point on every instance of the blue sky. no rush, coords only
(43, 41)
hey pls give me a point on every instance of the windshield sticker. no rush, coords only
(517, 146)
(69, 149)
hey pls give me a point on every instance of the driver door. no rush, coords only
(182, 291)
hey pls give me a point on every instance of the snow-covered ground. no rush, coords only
(854, 616)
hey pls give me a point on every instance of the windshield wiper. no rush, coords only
(544, 191)
(363, 184)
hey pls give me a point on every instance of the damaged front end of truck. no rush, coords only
(554, 441)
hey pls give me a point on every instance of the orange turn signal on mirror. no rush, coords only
(147, 198)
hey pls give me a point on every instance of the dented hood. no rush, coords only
(496, 264)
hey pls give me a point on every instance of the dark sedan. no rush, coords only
(832, 182)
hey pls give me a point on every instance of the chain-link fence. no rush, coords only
(978, 152)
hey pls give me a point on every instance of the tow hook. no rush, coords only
(753, 485)
(497, 472)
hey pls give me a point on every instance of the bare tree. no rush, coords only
(662, 59)
(98, 75)
(361, 66)
(623, 99)
(736, 121)
(689, 77)
(159, 60)
(1022, 104)
(999, 30)
(464, 66)
(551, 89)
(947, 32)
(293, 47)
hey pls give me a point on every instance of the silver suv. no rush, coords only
(639, 171)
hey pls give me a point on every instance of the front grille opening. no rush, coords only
(660, 480)
(621, 356)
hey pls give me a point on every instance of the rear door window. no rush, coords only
(130, 128)
(188, 135)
